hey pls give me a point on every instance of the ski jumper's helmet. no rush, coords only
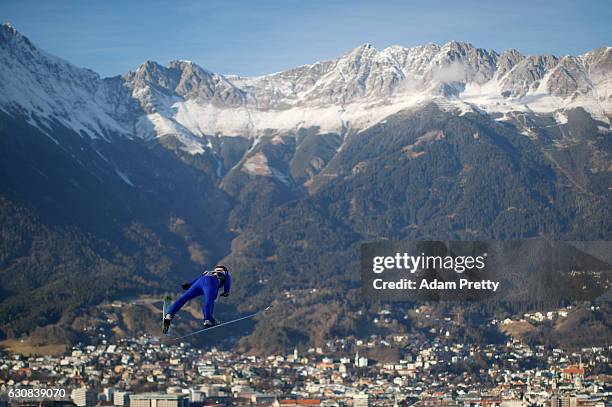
(222, 267)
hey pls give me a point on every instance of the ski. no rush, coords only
(224, 323)
(167, 303)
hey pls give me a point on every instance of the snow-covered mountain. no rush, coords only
(47, 90)
(350, 93)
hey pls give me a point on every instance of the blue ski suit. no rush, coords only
(207, 284)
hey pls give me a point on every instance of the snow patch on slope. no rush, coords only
(257, 165)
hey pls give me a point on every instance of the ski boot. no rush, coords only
(167, 320)
(209, 323)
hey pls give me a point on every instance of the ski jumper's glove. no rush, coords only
(186, 286)
(225, 294)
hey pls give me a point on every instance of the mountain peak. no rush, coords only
(10, 35)
(150, 68)
(9, 28)
(366, 48)
(186, 65)
(149, 64)
(458, 46)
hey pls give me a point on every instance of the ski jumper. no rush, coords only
(207, 284)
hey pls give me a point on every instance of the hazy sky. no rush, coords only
(257, 37)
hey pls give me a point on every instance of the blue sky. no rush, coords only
(257, 37)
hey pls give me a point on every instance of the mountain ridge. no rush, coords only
(354, 91)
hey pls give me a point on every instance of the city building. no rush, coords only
(572, 373)
(361, 400)
(121, 398)
(563, 401)
(109, 392)
(158, 400)
(84, 397)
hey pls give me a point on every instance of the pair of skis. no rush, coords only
(168, 302)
